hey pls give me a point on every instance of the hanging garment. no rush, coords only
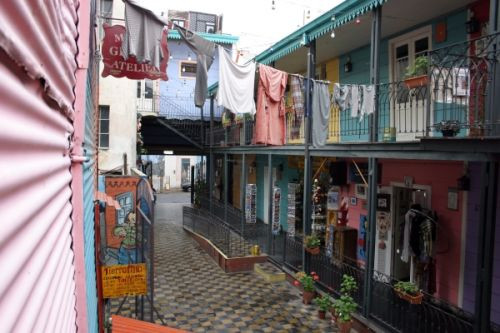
(297, 91)
(405, 255)
(320, 113)
(270, 117)
(236, 84)
(355, 100)
(143, 34)
(368, 103)
(205, 53)
(342, 96)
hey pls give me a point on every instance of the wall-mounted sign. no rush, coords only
(115, 65)
(124, 280)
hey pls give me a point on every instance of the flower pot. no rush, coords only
(313, 250)
(417, 81)
(307, 297)
(344, 326)
(448, 133)
(412, 299)
(321, 314)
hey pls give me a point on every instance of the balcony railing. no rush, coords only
(452, 101)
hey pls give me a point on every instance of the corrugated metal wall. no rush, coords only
(90, 182)
(37, 66)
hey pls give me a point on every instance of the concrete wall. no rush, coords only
(173, 170)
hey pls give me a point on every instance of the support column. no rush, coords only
(270, 202)
(211, 157)
(243, 185)
(226, 186)
(202, 127)
(311, 66)
(486, 245)
(493, 98)
(372, 163)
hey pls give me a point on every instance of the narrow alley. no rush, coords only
(194, 294)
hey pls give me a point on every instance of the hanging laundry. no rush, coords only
(205, 53)
(297, 90)
(143, 34)
(368, 102)
(320, 113)
(342, 96)
(236, 84)
(355, 100)
(270, 117)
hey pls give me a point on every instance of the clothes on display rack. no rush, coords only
(270, 117)
(143, 34)
(236, 84)
(320, 113)
(205, 53)
(419, 235)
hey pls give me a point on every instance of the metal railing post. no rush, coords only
(242, 192)
(211, 161)
(270, 203)
(226, 185)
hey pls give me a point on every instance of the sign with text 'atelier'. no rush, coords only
(124, 280)
(115, 65)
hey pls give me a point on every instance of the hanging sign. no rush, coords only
(276, 210)
(250, 204)
(123, 280)
(115, 65)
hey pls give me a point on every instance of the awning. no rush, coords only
(103, 197)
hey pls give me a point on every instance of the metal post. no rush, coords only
(192, 185)
(211, 157)
(226, 187)
(125, 164)
(311, 66)
(243, 186)
(372, 164)
(270, 200)
(202, 129)
(486, 245)
(492, 106)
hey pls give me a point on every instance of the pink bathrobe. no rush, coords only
(270, 117)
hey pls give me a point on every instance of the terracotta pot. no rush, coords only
(344, 327)
(313, 250)
(417, 81)
(412, 299)
(321, 314)
(307, 297)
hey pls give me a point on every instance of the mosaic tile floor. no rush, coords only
(193, 293)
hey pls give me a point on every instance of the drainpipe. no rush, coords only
(202, 127)
(486, 245)
(270, 202)
(211, 169)
(311, 66)
(372, 162)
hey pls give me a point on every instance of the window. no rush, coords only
(188, 69)
(139, 89)
(107, 10)
(210, 28)
(148, 89)
(180, 23)
(104, 126)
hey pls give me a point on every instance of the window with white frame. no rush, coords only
(104, 126)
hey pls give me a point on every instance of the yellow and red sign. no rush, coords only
(124, 280)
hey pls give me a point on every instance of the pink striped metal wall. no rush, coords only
(37, 69)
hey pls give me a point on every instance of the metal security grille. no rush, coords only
(202, 22)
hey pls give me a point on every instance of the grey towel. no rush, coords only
(205, 53)
(320, 113)
(143, 34)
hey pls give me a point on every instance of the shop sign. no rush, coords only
(124, 280)
(115, 65)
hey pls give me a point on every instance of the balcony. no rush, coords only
(453, 101)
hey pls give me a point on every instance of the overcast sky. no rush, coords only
(255, 22)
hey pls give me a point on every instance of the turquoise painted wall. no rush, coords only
(352, 129)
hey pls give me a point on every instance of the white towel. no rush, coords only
(236, 84)
(354, 101)
(368, 103)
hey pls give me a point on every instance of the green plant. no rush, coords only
(200, 187)
(344, 307)
(407, 287)
(312, 241)
(324, 303)
(306, 280)
(419, 67)
(348, 285)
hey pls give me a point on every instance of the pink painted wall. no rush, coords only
(440, 175)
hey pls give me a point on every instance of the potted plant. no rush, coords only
(416, 75)
(306, 281)
(448, 128)
(324, 303)
(409, 292)
(312, 243)
(344, 308)
(200, 188)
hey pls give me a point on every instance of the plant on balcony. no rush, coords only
(416, 74)
(409, 292)
(306, 281)
(325, 303)
(343, 307)
(448, 128)
(312, 243)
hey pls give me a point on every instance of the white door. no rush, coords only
(408, 105)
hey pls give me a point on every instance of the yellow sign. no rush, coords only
(124, 280)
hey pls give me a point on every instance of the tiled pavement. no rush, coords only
(193, 293)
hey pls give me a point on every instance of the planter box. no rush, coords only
(417, 81)
(417, 299)
(313, 250)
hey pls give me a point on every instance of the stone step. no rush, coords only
(269, 272)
